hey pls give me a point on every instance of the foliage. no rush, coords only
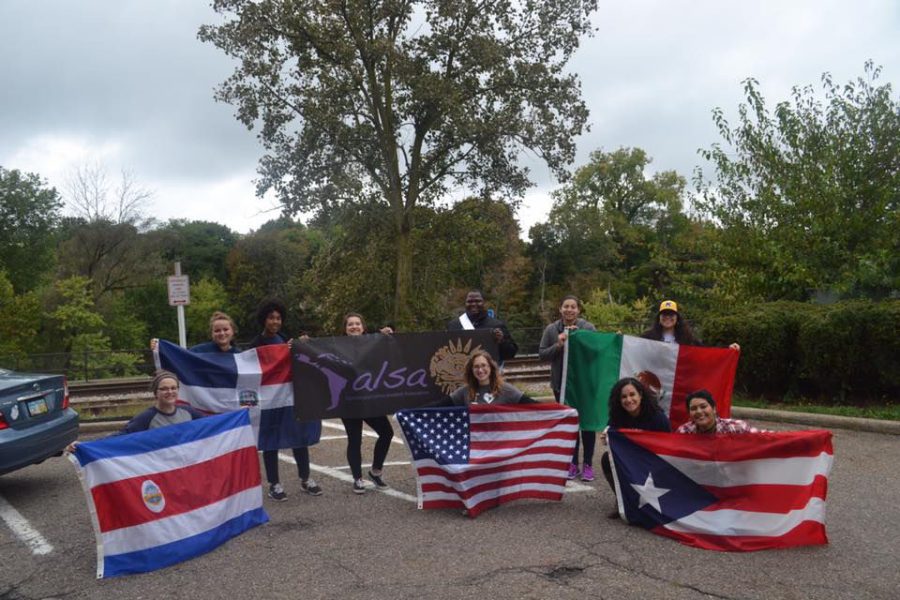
(365, 100)
(806, 195)
(825, 352)
(201, 246)
(207, 296)
(271, 263)
(608, 315)
(29, 213)
(19, 321)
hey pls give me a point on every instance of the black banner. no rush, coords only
(374, 375)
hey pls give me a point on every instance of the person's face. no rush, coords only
(273, 323)
(167, 394)
(481, 369)
(474, 303)
(631, 400)
(568, 310)
(222, 333)
(354, 326)
(668, 319)
(702, 414)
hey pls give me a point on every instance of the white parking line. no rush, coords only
(23, 530)
(338, 474)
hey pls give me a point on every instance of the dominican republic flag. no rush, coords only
(594, 362)
(165, 495)
(482, 456)
(728, 492)
(259, 380)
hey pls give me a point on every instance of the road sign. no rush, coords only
(179, 290)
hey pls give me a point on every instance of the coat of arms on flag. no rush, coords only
(594, 361)
(165, 495)
(729, 492)
(481, 456)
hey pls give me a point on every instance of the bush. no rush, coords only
(836, 353)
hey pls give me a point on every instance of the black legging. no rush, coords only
(606, 466)
(353, 427)
(270, 460)
(589, 438)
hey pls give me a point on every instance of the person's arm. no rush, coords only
(550, 346)
(660, 422)
(526, 399)
(507, 347)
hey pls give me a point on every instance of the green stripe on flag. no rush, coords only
(592, 368)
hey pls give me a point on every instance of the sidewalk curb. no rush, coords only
(738, 412)
(817, 420)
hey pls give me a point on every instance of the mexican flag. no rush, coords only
(594, 361)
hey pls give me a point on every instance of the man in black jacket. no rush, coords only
(476, 317)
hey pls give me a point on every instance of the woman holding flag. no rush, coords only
(551, 350)
(485, 385)
(631, 406)
(285, 432)
(355, 325)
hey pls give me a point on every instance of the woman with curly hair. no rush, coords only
(485, 385)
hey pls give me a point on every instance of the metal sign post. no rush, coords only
(179, 296)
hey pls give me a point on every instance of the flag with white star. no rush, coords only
(481, 456)
(730, 492)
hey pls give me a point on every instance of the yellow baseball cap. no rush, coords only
(668, 305)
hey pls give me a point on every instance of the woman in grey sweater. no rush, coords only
(553, 342)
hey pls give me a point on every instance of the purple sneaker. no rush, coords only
(588, 473)
(573, 471)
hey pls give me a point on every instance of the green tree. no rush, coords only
(29, 214)
(207, 296)
(396, 100)
(201, 246)
(807, 193)
(611, 226)
(20, 317)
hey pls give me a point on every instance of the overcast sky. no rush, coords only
(126, 83)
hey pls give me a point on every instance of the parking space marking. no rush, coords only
(340, 475)
(23, 530)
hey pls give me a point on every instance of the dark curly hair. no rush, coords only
(683, 332)
(618, 417)
(270, 306)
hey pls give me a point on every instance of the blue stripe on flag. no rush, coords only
(278, 429)
(157, 557)
(215, 370)
(162, 437)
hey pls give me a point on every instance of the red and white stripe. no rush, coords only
(771, 487)
(515, 452)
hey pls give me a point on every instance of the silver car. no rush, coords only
(35, 419)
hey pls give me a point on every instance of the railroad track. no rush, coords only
(125, 397)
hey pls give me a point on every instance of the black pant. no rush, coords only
(589, 438)
(270, 460)
(353, 427)
(606, 466)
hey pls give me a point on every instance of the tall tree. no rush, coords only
(29, 214)
(807, 193)
(400, 99)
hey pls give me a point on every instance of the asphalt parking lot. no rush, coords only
(378, 545)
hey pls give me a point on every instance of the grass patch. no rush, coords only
(885, 412)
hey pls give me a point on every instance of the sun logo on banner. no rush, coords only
(448, 364)
(152, 496)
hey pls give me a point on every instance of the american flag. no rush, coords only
(481, 456)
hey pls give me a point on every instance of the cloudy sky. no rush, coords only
(126, 84)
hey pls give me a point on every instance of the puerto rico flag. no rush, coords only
(481, 456)
(595, 361)
(727, 492)
(258, 379)
(166, 495)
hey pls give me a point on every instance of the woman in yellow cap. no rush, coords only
(668, 326)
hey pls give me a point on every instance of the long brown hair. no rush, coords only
(496, 381)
